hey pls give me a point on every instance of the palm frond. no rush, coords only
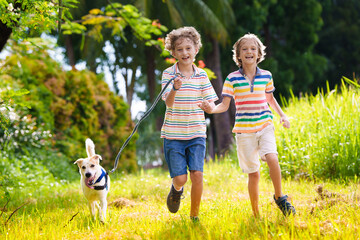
(223, 10)
(175, 13)
(198, 14)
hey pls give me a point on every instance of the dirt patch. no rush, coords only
(325, 194)
(122, 202)
(326, 199)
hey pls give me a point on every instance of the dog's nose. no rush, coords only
(87, 175)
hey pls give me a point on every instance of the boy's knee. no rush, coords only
(254, 176)
(180, 181)
(196, 176)
(271, 157)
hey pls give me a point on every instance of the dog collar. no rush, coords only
(103, 174)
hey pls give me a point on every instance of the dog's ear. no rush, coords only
(79, 161)
(98, 156)
(95, 159)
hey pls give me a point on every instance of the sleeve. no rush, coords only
(208, 92)
(165, 78)
(228, 88)
(270, 85)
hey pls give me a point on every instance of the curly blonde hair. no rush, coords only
(183, 32)
(237, 46)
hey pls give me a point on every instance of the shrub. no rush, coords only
(66, 108)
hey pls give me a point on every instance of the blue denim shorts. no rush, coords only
(182, 155)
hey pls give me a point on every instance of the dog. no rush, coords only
(95, 182)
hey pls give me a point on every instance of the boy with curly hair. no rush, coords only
(184, 127)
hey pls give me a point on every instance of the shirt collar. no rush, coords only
(241, 70)
(176, 71)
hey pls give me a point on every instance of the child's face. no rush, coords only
(184, 51)
(249, 52)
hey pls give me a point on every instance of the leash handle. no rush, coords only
(138, 123)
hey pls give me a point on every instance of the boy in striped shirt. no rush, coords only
(252, 89)
(184, 127)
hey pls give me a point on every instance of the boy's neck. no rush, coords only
(187, 70)
(249, 70)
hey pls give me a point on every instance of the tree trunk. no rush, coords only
(220, 123)
(150, 72)
(267, 39)
(130, 90)
(5, 33)
(70, 51)
(151, 81)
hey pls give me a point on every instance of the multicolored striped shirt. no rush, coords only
(185, 120)
(252, 110)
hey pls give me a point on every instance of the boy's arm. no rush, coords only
(211, 108)
(170, 98)
(274, 105)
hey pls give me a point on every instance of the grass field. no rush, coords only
(138, 210)
(322, 143)
(324, 137)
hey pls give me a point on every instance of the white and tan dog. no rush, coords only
(95, 182)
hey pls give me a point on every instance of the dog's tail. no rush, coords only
(90, 147)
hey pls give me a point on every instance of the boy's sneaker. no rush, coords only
(173, 199)
(285, 206)
(194, 219)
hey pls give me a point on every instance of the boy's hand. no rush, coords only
(205, 106)
(177, 83)
(285, 122)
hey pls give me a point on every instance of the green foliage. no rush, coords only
(324, 137)
(70, 106)
(295, 53)
(338, 39)
(290, 43)
(217, 17)
(211, 74)
(116, 17)
(27, 157)
(33, 16)
(149, 145)
(9, 98)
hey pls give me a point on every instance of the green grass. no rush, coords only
(324, 138)
(225, 210)
(320, 149)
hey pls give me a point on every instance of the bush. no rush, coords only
(65, 109)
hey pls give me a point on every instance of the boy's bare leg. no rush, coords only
(196, 192)
(253, 187)
(179, 181)
(275, 173)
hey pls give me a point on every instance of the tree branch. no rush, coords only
(71, 219)
(14, 212)
(3, 209)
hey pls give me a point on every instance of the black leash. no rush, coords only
(138, 123)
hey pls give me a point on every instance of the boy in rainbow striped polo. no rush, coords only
(184, 127)
(252, 89)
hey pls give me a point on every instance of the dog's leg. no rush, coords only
(102, 209)
(92, 208)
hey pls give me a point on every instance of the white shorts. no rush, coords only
(252, 145)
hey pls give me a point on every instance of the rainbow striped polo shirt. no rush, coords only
(252, 110)
(185, 120)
